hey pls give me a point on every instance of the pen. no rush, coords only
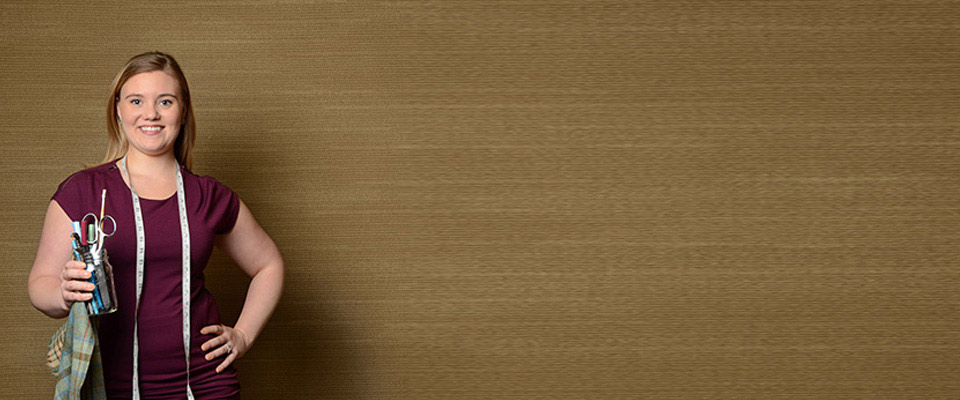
(97, 302)
(88, 260)
(75, 240)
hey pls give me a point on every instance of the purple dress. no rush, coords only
(212, 209)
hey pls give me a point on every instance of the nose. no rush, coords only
(152, 112)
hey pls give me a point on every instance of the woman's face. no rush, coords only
(151, 111)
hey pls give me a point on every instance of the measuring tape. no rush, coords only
(141, 248)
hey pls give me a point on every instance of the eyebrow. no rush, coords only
(161, 95)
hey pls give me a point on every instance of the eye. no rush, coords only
(166, 101)
(135, 101)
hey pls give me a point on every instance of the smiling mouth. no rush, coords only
(151, 130)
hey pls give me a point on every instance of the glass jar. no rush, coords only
(104, 299)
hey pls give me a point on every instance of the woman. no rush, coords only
(147, 171)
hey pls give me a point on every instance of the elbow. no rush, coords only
(274, 271)
(280, 273)
(279, 270)
(33, 293)
(38, 291)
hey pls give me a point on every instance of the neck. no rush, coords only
(149, 165)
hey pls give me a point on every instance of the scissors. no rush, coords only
(99, 235)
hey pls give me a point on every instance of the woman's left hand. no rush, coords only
(230, 342)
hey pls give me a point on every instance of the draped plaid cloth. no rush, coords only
(74, 358)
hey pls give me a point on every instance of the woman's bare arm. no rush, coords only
(258, 256)
(54, 282)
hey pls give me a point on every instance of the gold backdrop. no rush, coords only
(539, 199)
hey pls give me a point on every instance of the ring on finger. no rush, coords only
(229, 348)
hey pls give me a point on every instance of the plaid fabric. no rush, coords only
(79, 371)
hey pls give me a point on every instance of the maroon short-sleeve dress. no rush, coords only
(212, 209)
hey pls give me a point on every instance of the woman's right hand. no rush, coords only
(73, 283)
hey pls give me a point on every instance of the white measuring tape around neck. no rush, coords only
(141, 248)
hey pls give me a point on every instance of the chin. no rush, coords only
(154, 151)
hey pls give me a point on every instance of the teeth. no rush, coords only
(152, 128)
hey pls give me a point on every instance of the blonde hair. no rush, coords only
(148, 62)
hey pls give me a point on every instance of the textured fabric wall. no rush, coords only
(539, 199)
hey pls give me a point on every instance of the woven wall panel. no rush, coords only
(566, 199)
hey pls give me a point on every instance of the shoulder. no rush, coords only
(219, 204)
(75, 192)
(212, 191)
(209, 184)
(85, 177)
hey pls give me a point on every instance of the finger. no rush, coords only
(212, 329)
(79, 286)
(72, 289)
(225, 363)
(74, 274)
(219, 351)
(213, 342)
(75, 296)
(74, 266)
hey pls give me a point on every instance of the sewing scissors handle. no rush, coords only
(99, 224)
